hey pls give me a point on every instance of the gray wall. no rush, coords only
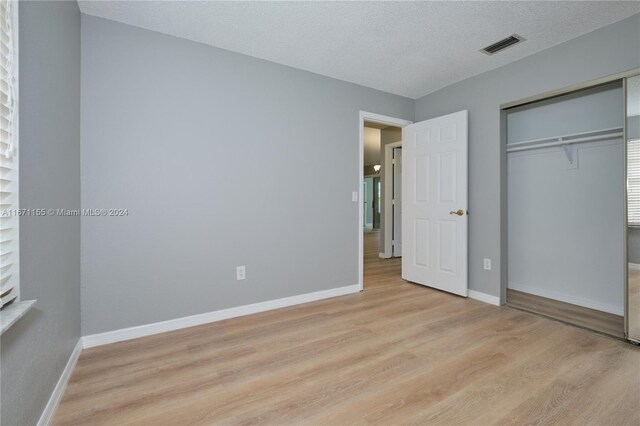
(36, 349)
(566, 238)
(387, 136)
(194, 141)
(369, 171)
(609, 50)
(597, 108)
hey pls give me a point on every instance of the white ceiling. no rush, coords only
(406, 48)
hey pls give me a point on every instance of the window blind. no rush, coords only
(8, 159)
(633, 182)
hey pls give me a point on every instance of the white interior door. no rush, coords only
(397, 202)
(434, 203)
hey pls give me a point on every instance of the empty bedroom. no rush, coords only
(319, 212)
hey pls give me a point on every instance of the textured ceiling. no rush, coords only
(406, 48)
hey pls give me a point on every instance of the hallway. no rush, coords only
(379, 271)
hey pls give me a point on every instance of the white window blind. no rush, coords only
(633, 182)
(9, 267)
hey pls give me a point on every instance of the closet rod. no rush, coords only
(566, 140)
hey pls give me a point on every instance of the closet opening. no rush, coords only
(566, 201)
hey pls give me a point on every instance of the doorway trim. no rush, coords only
(388, 207)
(380, 119)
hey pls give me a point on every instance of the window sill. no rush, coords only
(13, 312)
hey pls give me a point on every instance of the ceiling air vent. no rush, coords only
(502, 44)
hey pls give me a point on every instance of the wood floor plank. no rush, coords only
(551, 402)
(559, 350)
(397, 353)
(441, 374)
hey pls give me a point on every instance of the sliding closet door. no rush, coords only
(565, 206)
(633, 206)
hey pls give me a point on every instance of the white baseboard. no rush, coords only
(384, 256)
(484, 297)
(58, 391)
(208, 317)
(634, 266)
(580, 301)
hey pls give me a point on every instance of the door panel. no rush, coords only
(447, 238)
(422, 246)
(422, 179)
(435, 180)
(447, 177)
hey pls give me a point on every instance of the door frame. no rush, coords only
(380, 119)
(388, 190)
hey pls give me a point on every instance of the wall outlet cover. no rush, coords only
(240, 273)
(487, 264)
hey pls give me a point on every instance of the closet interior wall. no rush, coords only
(565, 198)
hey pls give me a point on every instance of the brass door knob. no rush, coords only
(460, 212)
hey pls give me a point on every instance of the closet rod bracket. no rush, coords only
(571, 151)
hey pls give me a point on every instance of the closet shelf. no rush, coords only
(566, 140)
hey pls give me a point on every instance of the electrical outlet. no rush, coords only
(240, 273)
(354, 196)
(487, 264)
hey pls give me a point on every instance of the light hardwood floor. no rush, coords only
(396, 353)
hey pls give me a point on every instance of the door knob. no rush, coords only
(460, 212)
